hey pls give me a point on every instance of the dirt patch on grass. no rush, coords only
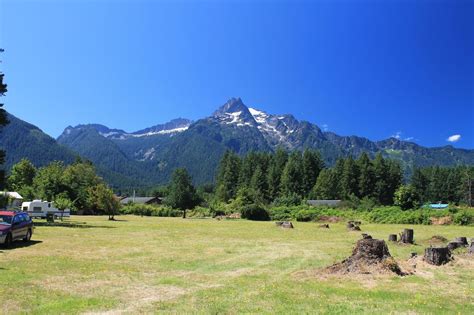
(447, 220)
(438, 239)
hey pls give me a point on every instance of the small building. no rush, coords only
(15, 199)
(142, 200)
(327, 203)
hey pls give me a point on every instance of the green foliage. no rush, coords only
(49, 181)
(182, 194)
(306, 215)
(255, 213)
(288, 201)
(464, 218)
(406, 197)
(103, 199)
(228, 177)
(292, 177)
(150, 210)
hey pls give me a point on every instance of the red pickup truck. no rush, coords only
(15, 226)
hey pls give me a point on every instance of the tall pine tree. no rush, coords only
(312, 166)
(292, 177)
(3, 122)
(275, 171)
(228, 177)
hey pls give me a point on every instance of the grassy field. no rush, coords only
(152, 265)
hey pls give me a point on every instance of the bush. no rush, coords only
(255, 212)
(306, 215)
(463, 218)
(149, 210)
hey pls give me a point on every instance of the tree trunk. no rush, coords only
(184, 214)
(407, 236)
(392, 238)
(437, 255)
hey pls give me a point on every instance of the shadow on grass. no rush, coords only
(19, 244)
(74, 225)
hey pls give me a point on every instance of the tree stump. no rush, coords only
(461, 240)
(350, 225)
(287, 225)
(366, 236)
(392, 238)
(407, 236)
(437, 255)
(453, 245)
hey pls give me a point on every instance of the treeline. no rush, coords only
(76, 186)
(267, 177)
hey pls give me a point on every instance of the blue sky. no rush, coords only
(369, 68)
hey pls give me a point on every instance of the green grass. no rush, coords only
(173, 265)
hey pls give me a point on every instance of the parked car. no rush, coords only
(15, 226)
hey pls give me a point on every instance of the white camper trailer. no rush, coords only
(39, 209)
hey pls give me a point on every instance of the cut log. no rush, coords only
(437, 255)
(407, 236)
(392, 238)
(462, 240)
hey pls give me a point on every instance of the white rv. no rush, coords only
(39, 209)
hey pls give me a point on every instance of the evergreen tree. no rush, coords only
(259, 184)
(350, 178)
(395, 178)
(366, 176)
(312, 166)
(292, 177)
(182, 194)
(420, 183)
(277, 165)
(3, 122)
(326, 186)
(381, 187)
(228, 177)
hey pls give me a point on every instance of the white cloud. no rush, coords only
(454, 138)
(397, 135)
(409, 138)
(325, 127)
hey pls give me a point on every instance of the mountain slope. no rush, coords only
(23, 140)
(150, 155)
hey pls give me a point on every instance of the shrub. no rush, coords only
(464, 218)
(255, 212)
(149, 210)
(306, 215)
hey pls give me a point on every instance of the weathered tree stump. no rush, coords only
(324, 226)
(407, 236)
(462, 240)
(437, 255)
(392, 238)
(454, 245)
(287, 225)
(366, 236)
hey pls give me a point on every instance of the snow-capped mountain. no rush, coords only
(151, 154)
(170, 128)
